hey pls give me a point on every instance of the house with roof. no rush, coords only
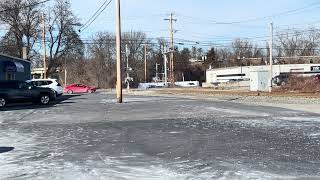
(13, 68)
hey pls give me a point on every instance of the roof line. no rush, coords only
(16, 58)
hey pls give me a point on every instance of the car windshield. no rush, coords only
(159, 89)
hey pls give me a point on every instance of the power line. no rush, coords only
(299, 24)
(23, 7)
(213, 22)
(105, 2)
(95, 15)
(253, 39)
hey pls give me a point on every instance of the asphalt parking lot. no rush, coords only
(92, 137)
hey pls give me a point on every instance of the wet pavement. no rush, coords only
(92, 137)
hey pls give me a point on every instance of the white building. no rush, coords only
(243, 73)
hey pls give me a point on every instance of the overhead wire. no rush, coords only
(95, 15)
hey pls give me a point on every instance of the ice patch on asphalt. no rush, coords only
(142, 99)
(30, 160)
(237, 112)
(211, 111)
(129, 167)
(14, 163)
(300, 119)
(14, 115)
(315, 135)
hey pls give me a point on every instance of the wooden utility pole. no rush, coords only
(118, 49)
(145, 63)
(165, 68)
(271, 56)
(44, 47)
(171, 63)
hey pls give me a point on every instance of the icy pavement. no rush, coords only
(91, 137)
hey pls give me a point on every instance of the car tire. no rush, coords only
(3, 102)
(44, 99)
(70, 92)
(90, 91)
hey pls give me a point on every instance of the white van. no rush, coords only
(48, 83)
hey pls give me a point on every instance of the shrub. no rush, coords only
(302, 84)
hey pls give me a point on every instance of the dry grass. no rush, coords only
(281, 92)
(302, 85)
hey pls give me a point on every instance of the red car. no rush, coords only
(79, 88)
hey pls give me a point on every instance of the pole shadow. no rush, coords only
(6, 149)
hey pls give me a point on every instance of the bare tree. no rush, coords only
(102, 55)
(135, 41)
(242, 48)
(22, 18)
(298, 43)
(63, 40)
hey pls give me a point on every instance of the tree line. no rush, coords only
(93, 61)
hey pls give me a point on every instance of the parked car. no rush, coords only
(79, 88)
(317, 77)
(20, 91)
(281, 80)
(48, 83)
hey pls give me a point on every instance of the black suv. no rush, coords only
(20, 91)
(281, 80)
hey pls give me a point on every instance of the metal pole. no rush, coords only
(128, 75)
(157, 76)
(182, 76)
(118, 48)
(145, 63)
(172, 51)
(65, 72)
(165, 70)
(271, 56)
(44, 47)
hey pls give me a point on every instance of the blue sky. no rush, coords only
(196, 18)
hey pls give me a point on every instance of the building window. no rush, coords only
(10, 76)
(231, 75)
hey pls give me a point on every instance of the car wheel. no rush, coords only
(90, 91)
(70, 92)
(3, 102)
(44, 99)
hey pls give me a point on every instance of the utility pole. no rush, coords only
(182, 76)
(145, 63)
(271, 56)
(118, 48)
(171, 64)
(157, 74)
(128, 75)
(65, 72)
(165, 69)
(44, 47)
